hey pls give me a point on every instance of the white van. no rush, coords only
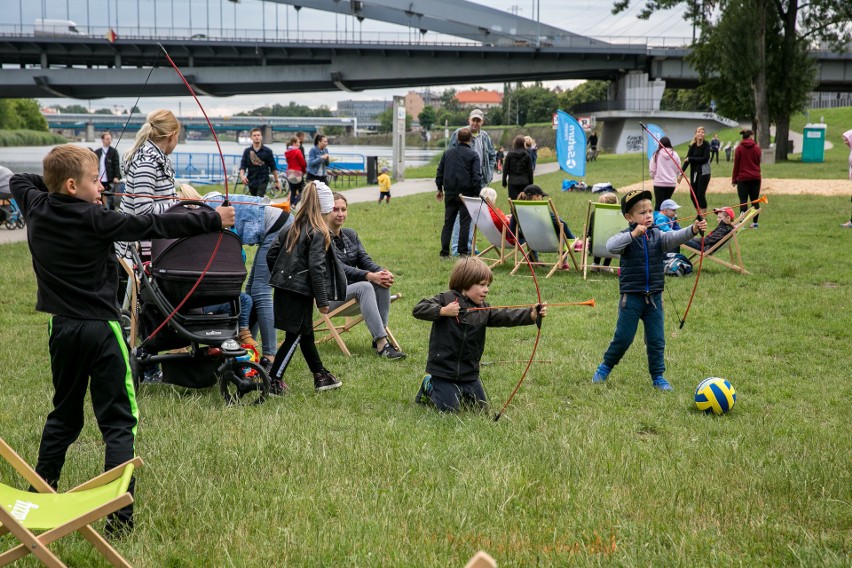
(44, 27)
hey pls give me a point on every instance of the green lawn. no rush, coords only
(573, 474)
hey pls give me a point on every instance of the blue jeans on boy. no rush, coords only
(257, 286)
(649, 309)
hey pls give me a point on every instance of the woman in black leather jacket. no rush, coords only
(304, 269)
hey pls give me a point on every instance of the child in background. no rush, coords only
(666, 218)
(611, 198)
(71, 238)
(725, 216)
(457, 339)
(304, 269)
(384, 185)
(641, 283)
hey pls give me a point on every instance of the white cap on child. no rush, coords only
(326, 197)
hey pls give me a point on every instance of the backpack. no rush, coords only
(675, 264)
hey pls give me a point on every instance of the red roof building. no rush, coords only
(480, 99)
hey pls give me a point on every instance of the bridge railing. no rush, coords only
(203, 167)
(352, 37)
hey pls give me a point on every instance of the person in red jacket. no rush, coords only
(746, 174)
(296, 169)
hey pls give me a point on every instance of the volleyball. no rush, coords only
(715, 395)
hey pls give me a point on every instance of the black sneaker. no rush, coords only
(390, 352)
(324, 381)
(278, 387)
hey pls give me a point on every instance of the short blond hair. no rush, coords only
(66, 162)
(488, 193)
(608, 197)
(468, 272)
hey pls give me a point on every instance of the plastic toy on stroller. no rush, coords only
(10, 214)
(214, 355)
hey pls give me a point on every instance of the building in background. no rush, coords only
(480, 99)
(366, 112)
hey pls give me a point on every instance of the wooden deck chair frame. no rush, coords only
(589, 240)
(735, 262)
(352, 312)
(36, 544)
(563, 248)
(480, 215)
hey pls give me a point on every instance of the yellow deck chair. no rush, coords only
(730, 240)
(499, 250)
(55, 515)
(351, 312)
(534, 221)
(608, 221)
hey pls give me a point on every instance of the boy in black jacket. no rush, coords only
(459, 173)
(71, 238)
(459, 319)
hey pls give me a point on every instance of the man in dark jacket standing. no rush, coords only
(109, 169)
(459, 173)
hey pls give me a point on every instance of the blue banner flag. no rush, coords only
(570, 145)
(651, 143)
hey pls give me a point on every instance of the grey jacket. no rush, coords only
(485, 150)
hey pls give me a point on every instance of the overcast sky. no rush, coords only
(586, 17)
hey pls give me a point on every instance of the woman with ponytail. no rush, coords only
(149, 176)
(665, 171)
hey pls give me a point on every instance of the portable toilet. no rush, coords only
(813, 143)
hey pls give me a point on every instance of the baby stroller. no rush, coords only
(214, 355)
(10, 214)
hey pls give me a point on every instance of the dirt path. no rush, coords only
(772, 186)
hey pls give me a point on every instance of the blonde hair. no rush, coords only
(529, 141)
(66, 162)
(159, 124)
(608, 197)
(468, 272)
(186, 191)
(695, 137)
(308, 216)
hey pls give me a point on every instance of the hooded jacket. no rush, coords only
(665, 168)
(746, 161)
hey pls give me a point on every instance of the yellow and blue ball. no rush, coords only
(715, 395)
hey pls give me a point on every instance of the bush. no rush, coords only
(29, 138)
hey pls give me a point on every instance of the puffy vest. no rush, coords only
(641, 265)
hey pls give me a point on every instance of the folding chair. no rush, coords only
(351, 311)
(483, 223)
(534, 221)
(608, 221)
(731, 241)
(60, 514)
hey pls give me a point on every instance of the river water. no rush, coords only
(28, 158)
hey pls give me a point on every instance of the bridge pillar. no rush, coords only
(90, 131)
(635, 92)
(267, 133)
(182, 135)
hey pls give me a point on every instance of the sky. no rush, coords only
(586, 17)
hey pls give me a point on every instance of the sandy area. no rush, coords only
(830, 187)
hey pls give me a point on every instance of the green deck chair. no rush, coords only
(54, 515)
(608, 221)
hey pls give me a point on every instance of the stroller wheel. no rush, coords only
(244, 382)
(20, 223)
(135, 369)
(10, 224)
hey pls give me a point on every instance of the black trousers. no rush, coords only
(448, 396)
(257, 190)
(88, 355)
(661, 193)
(453, 206)
(748, 190)
(515, 189)
(699, 186)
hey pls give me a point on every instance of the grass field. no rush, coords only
(573, 474)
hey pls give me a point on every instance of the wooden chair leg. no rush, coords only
(392, 339)
(332, 329)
